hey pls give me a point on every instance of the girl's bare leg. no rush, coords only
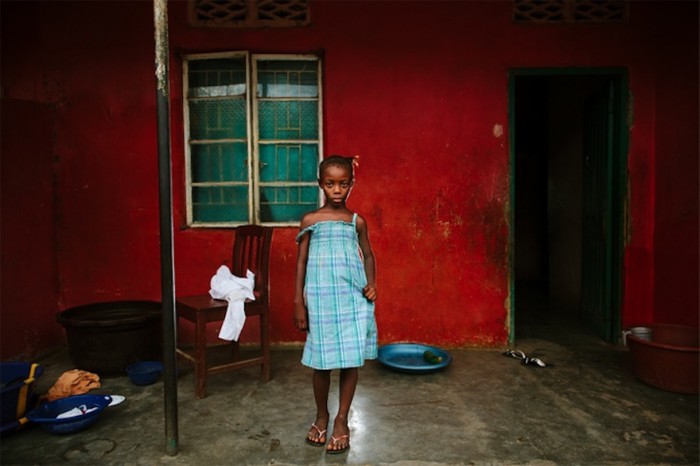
(321, 384)
(341, 430)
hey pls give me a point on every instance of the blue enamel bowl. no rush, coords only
(409, 358)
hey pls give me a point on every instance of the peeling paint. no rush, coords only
(415, 230)
(497, 130)
(445, 229)
(160, 13)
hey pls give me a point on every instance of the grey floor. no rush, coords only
(484, 409)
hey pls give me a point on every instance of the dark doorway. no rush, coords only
(568, 153)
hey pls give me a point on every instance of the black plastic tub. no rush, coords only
(104, 338)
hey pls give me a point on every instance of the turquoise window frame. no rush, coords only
(253, 133)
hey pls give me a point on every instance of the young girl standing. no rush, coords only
(334, 299)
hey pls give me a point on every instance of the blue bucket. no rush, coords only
(16, 397)
(144, 372)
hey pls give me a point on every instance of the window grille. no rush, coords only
(253, 132)
(249, 13)
(556, 11)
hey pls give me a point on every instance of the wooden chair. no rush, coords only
(251, 250)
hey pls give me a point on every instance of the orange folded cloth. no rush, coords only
(73, 382)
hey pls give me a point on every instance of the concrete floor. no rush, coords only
(485, 409)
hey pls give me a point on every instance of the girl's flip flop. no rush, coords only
(334, 441)
(321, 434)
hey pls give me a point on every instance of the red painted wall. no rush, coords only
(29, 274)
(420, 91)
(676, 208)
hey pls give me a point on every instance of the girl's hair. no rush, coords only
(336, 161)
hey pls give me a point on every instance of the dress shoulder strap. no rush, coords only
(301, 233)
(354, 219)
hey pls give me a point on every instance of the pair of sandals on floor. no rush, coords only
(332, 445)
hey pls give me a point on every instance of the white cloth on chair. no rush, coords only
(235, 290)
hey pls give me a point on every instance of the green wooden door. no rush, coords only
(598, 157)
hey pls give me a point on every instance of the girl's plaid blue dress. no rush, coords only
(342, 329)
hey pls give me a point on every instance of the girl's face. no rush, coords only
(336, 183)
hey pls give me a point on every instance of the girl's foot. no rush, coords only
(338, 444)
(340, 440)
(316, 436)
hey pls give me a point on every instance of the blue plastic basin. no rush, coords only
(46, 415)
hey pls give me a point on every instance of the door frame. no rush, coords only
(618, 189)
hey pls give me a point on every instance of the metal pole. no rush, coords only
(160, 15)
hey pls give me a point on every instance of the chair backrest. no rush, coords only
(251, 250)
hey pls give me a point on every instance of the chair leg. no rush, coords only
(200, 365)
(235, 351)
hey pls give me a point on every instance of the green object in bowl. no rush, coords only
(431, 357)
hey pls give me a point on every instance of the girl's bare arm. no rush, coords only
(300, 311)
(370, 291)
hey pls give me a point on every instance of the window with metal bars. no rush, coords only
(253, 134)
(578, 11)
(249, 13)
